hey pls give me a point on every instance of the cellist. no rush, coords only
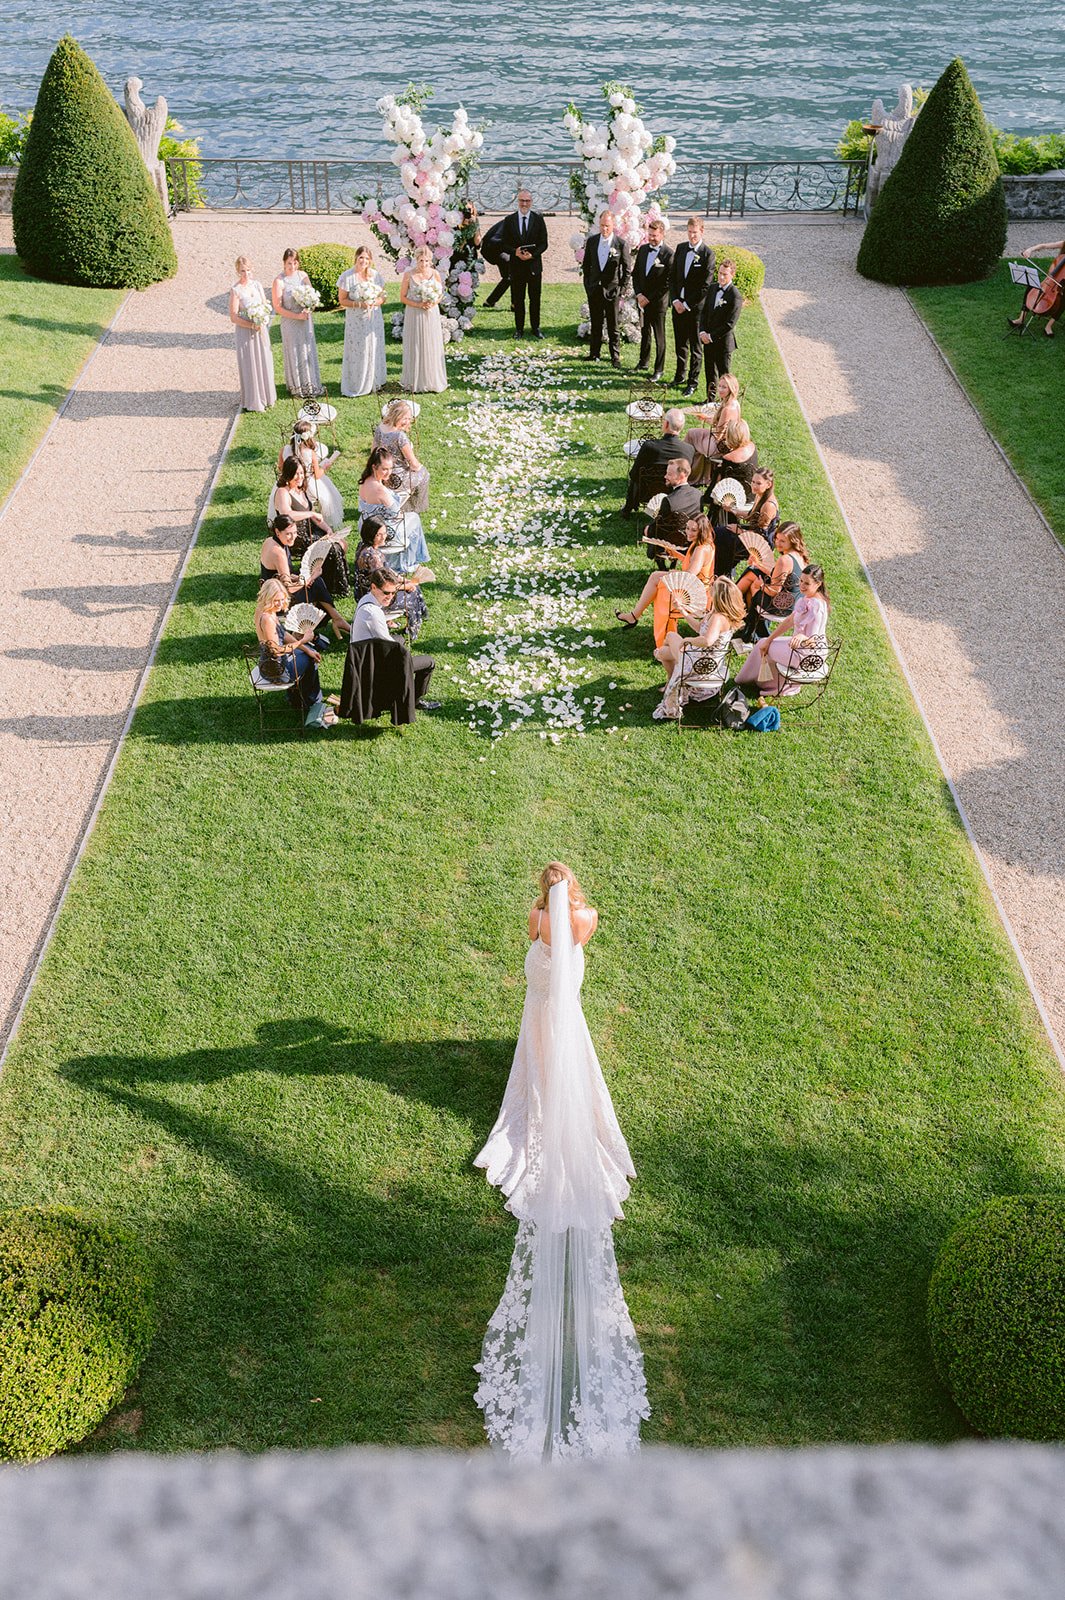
(1046, 301)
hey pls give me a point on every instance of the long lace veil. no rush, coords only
(561, 1370)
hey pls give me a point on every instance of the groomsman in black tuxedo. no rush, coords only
(693, 266)
(523, 244)
(491, 248)
(650, 284)
(721, 312)
(606, 271)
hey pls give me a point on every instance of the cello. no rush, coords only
(1049, 298)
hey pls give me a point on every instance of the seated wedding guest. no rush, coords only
(680, 501)
(371, 623)
(392, 433)
(737, 457)
(766, 665)
(274, 562)
(706, 440)
(647, 475)
(697, 558)
(290, 499)
(284, 658)
(761, 515)
(724, 614)
(377, 500)
(773, 588)
(317, 460)
(370, 566)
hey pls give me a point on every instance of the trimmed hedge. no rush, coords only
(941, 215)
(750, 269)
(323, 264)
(76, 1319)
(84, 209)
(996, 1317)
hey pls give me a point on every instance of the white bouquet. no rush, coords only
(258, 314)
(364, 292)
(425, 294)
(306, 297)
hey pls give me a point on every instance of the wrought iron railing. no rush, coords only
(327, 185)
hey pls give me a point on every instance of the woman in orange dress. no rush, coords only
(698, 559)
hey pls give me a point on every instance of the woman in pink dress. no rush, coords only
(766, 665)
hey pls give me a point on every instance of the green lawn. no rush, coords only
(47, 332)
(276, 1019)
(1017, 384)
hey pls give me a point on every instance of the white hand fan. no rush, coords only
(654, 505)
(755, 545)
(731, 489)
(302, 616)
(315, 552)
(688, 591)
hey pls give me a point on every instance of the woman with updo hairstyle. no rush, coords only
(370, 567)
(255, 358)
(393, 434)
(420, 289)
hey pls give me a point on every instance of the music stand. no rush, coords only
(1025, 276)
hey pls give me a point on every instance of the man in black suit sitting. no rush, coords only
(650, 284)
(523, 242)
(606, 271)
(647, 475)
(682, 500)
(693, 265)
(721, 312)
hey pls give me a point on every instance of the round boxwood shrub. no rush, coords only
(323, 264)
(941, 215)
(750, 269)
(76, 1320)
(84, 208)
(996, 1316)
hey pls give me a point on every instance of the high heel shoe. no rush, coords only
(621, 615)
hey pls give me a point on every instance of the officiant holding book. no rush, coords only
(523, 244)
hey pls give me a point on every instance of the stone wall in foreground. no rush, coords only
(979, 1521)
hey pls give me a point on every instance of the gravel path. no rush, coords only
(932, 508)
(98, 529)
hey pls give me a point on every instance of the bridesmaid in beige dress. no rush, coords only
(424, 368)
(255, 359)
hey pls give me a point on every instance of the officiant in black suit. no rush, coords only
(650, 285)
(689, 279)
(523, 244)
(717, 325)
(606, 271)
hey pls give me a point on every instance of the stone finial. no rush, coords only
(890, 131)
(148, 123)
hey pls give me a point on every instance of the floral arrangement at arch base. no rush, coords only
(622, 165)
(433, 172)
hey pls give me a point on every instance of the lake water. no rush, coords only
(772, 77)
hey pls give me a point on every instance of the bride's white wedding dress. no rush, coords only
(561, 1369)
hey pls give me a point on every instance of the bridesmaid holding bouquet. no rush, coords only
(249, 312)
(420, 290)
(294, 299)
(361, 292)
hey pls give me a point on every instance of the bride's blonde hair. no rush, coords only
(558, 872)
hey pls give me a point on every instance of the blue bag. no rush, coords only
(765, 720)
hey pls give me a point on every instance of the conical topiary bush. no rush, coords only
(941, 215)
(85, 209)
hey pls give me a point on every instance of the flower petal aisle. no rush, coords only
(526, 577)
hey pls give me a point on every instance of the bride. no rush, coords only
(561, 1370)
